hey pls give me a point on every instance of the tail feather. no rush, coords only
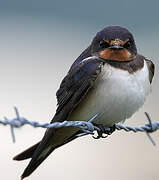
(35, 162)
(43, 150)
(28, 153)
(40, 151)
(38, 158)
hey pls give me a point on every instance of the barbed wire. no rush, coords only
(86, 127)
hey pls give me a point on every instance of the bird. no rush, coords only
(109, 78)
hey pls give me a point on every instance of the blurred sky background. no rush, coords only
(39, 40)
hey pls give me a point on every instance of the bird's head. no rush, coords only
(114, 43)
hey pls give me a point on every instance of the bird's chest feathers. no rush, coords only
(119, 94)
(120, 85)
(116, 95)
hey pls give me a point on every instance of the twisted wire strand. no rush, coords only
(86, 127)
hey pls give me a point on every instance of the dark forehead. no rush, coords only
(114, 32)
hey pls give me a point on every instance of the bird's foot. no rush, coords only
(103, 130)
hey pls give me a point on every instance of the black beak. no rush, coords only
(116, 47)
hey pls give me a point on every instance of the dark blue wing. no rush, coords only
(76, 84)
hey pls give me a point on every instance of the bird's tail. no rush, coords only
(36, 160)
(38, 153)
(28, 153)
(41, 150)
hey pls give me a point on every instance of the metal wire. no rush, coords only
(86, 127)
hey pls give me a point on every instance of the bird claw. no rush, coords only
(100, 135)
(102, 130)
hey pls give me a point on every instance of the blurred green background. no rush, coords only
(39, 40)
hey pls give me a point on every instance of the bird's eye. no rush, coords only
(103, 44)
(127, 44)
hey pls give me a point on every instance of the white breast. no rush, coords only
(116, 95)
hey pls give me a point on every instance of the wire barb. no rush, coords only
(152, 129)
(86, 127)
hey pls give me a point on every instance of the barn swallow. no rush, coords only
(109, 78)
